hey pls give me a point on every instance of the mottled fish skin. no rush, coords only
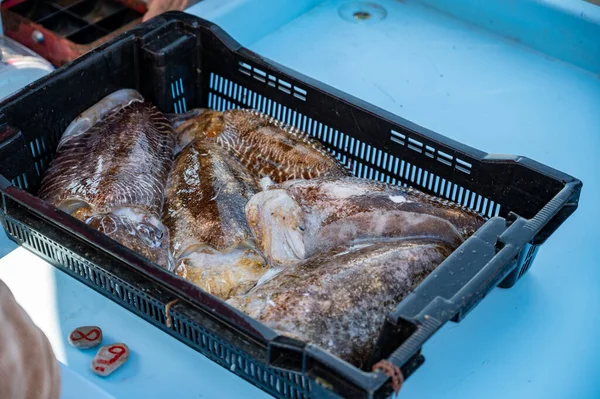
(138, 231)
(384, 196)
(87, 119)
(205, 199)
(267, 147)
(197, 123)
(122, 161)
(204, 212)
(292, 223)
(223, 274)
(338, 299)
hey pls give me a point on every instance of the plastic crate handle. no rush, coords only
(424, 321)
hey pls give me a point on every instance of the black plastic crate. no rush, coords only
(180, 62)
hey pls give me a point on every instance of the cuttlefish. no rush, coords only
(299, 218)
(111, 169)
(211, 241)
(267, 147)
(339, 298)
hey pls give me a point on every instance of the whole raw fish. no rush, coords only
(87, 119)
(338, 299)
(267, 147)
(204, 211)
(205, 199)
(384, 196)
(123, 160)
(297, 219)
(111, 169)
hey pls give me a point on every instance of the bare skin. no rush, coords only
(28, 368)
(157, 7)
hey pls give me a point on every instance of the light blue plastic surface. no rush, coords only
(158, 367)
(538, 95)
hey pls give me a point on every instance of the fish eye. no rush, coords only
(146, 233)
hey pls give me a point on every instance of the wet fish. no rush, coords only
(205, 199)
(384, 196)
(123, 160)
(136, 230)
(111, 169)
(338, 299)
(267, 147)
(297, 219)
(204, 212)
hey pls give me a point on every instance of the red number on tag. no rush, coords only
(92, 335)
(117, 351)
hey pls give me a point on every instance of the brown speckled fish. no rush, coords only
(121, 161)
(338, 299)
(384, 196)
(204, 212)
(267, 147)
(297, 219)
(111, 169)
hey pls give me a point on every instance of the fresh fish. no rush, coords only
(338, 299)
(384, 196)
(121, 161)
(205, 199)
(138, 231)
(264, 145)
(297, 219)
(204, 212)
(111, 169)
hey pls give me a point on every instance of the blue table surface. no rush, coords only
(500, 89)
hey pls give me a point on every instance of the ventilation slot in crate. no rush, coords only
(430, 152)
(236, 361)
(529, 258)
(41, 155)
(362, 159)
(38, 147)
(179, 103)
(21, 181)
(117, 289)
(428, 181)
(272, 81)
